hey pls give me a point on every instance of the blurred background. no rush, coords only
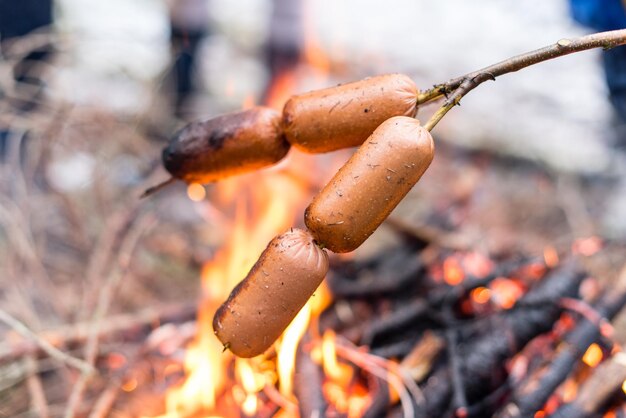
(91, 91)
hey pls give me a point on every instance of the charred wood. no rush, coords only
(482, 360)
(425, 311)
(308, 380)
(392, 280)
(597, 390)
(575, 344)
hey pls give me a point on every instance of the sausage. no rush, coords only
(370, 185)
(227, 145)
(344, 116)
(276, 288)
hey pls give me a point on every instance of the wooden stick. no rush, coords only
(44, 345)
(152, 190)
(458, 87)
(118, 326)
(35, 388)
(595, 392)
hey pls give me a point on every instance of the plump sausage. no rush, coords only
(264, 303)
(227, 145)
(344, 116)
(370, 185)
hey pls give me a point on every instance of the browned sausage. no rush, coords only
(264, 303)
(227, 145)
(370, 185)
(344, 116)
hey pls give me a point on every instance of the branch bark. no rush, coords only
(455, 89)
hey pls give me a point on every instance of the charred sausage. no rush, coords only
(227, 145)
(264, 303)
(370, 185)
(344, 116)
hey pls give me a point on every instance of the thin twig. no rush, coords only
(458, 87)
(152, 190)
(378, 367)
(48, 348)
(35, 388)
(115, 327)
(106, 294)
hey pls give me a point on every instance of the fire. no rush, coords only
(261, 212)
(313, 53)
(281, 89)
(287, 350)
(346, 396)
(481, 295)
(506, 292)
(265, 204)
(452, 271)
(570, 390)
(458, 265)
(593, 355)
(550, 256)
(196, 192)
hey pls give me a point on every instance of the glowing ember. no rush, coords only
(129, 385)
(570, 390)
(550, 256)
(624, 386)
(115, 361)
(477, 264)
(506, 292)
(481, 295)
(452, 271)
(587, 246)
(196, 192)
(593, 355)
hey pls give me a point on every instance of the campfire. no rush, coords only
(429, 327)
(439, 314)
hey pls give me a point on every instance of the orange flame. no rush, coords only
(313, 53)
(287, 350)
(266, 204)
(281, 89)
(275, 199)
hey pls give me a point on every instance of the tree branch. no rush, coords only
(48, 348)
(455, 89)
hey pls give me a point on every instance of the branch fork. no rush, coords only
(455, 89)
